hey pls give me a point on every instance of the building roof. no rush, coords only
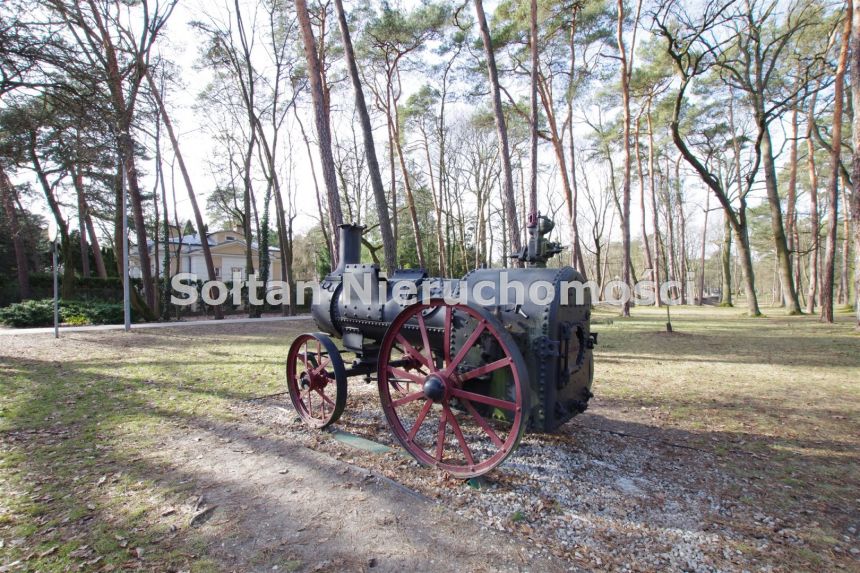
(194, 241)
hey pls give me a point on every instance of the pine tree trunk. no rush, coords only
(192, 197)
(726, 261)
(855, 166)
(7, 191)
(739, 223)
(533, 123)
(389, 247)
(127, 146)
(576, 256)
(813, 294)
(78, 179)
(501, 127)
(682, 233)
(165, 269)
(68, 284)
(326, 235)
(844, 288)
(646, 249)
(322, 122)
(783, 254)
(558, 147)
(833, 184)
(701, 287)
(655, 214)
(745, 254)
(625, 185)
(101, 271)
(410, 200)
(791, 202)
(124, 112)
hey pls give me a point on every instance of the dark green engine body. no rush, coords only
(554, 338)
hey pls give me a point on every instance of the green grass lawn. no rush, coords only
(777, 397)
(77, 413)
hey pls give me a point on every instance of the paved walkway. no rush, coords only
(144, 325)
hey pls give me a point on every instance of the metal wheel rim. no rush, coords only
(319, 401)
(449, 421)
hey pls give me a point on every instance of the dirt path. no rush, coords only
(284, 507)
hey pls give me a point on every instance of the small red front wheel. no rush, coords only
(316, 379)
(454, 387)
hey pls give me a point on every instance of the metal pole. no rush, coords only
(126, 291)
(56, 290)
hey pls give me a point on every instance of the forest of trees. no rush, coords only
(714, 140)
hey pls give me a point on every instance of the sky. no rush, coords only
(181, 45)
(197, 146)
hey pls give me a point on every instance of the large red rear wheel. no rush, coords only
(456, 395)
(316, 379)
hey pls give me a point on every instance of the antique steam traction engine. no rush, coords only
(460, 378)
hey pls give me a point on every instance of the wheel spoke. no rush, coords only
(447, 339)
(326, 398)
(413, 352)
(480, 436)
(459, 433)
(400, 373)
(488, 400)
(316, 379)
(408, 398)
(425, 338)
(485, 369)
(479, 329)
(494, 437)
(305, 355)
(440, 438)
(420, 419)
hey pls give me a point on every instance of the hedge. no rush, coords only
(41, 313)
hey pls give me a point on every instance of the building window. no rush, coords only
(217, 271)
(238, 270)
(230, 238)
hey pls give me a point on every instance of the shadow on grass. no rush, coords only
(82, 453)
(724, 345)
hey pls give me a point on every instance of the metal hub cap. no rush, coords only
(434, 388)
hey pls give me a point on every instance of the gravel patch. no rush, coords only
(588, 495)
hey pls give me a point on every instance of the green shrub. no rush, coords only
(28, 313)
(92, 312)
(33, 313)
(75, 320)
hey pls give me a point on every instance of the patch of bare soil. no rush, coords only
(597, 496)
(265, 503)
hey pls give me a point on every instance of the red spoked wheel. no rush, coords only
(316, 379)
(453, 387)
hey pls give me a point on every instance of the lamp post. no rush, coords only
(126, 287)
(52, 236)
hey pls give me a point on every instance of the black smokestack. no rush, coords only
(350, 247)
